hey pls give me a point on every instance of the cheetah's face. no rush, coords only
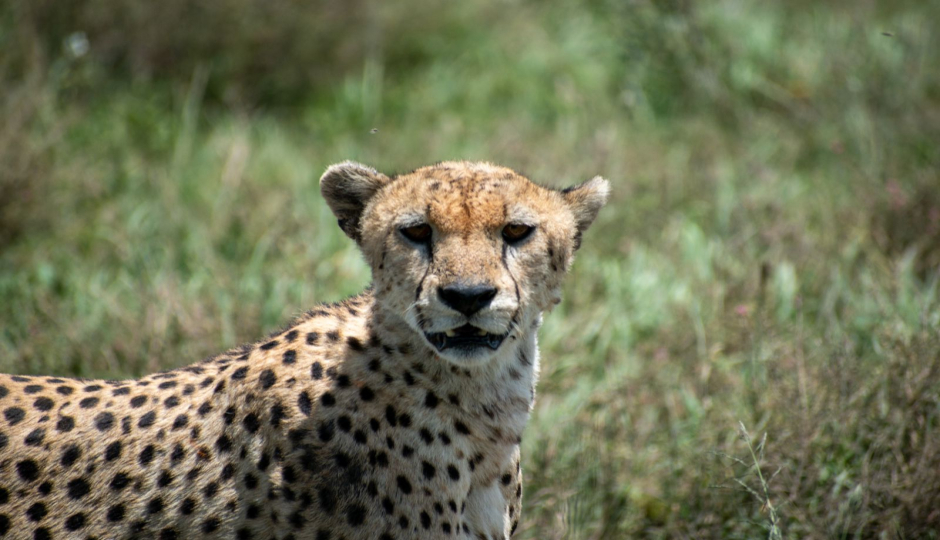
(468, 254)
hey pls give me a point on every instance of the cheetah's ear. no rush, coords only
(585, 201)
(347, 188)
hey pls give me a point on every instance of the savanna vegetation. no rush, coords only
(749, 344)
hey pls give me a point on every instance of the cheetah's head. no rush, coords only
(468, 254)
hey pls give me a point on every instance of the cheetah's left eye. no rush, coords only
(516, 232)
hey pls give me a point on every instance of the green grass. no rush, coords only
(749, 344)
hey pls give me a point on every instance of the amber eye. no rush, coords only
(516, 232)
(417, 233)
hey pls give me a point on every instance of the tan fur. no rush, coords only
(350, 423)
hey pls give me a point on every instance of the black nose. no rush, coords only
(467, 299)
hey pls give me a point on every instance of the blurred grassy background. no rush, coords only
(770, 256)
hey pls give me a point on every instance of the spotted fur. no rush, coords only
(351, 422)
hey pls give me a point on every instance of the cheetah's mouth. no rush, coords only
(465, 337)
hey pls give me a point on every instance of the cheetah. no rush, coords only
(397, 413)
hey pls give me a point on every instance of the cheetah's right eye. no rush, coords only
(417, 233)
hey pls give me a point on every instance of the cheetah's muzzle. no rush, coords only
(466, 337)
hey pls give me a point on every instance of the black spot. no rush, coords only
(146, 455)
(303, 402)
(366, 394)
(264, 462)
(316, 370)
(65, 424)
(355, 515)
(343, 381)
(116, 513)
(407, 451)
(88, 402)
(404, 485)
(178, 454)
(251, 481)
(453, 473)
(506, 479)
(354, 344)
(104, 421)
(289, 357)
(425, 520)
(229, 415)
(32, 388)
(253, 511)
(42, 533)
(212, 524)
(388, 506)
(167, 384)
(409, 378)
(404, 420)
(430, 400)
(204, 409)
(147, 419)
(327, 399)
(291, 336)
(70, 455)
(267, 379)
(155, 506)
(171, 402)
(224, 443)
(426, 435)
(360, 436)
(75, 522)
(269, 345)
(36, 511)
(78, 488)
(391, 416)
(35, 437)
(138, 401)
(461, 428)
(165, 479)
(180, 421)
(312, 338)
(344, 423)
(187, 506)
(453, 399)
(278, 413)
(327, 499)
(14, 415)
(121, 391)
(326, 431)
(240, 373)
(251, 422)
(333, 336)
(210, 490)
(169, 533)
(4, 524)
(120, 481)
(43, 404)
(45, 488)
(27, 470)
(444, 438)
(3, 392)
(428, 470)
